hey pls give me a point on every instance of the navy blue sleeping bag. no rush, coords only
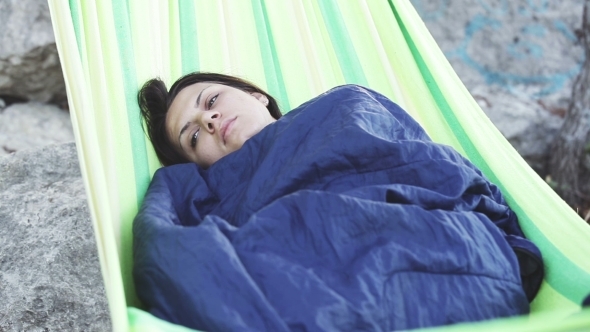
(341, 216)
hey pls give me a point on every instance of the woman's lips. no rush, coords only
(225, 127)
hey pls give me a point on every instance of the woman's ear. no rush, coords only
(261, 98)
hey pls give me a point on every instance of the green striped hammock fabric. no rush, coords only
(295, 50)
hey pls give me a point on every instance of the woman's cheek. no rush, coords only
(208, 153)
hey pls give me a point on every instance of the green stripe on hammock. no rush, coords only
(189, 44)
(346, 54)
(272, 71)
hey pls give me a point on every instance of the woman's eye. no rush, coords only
(194, 139)
(212, 101)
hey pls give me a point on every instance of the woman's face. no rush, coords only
(207, 121)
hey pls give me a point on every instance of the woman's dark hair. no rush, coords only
(155, 100)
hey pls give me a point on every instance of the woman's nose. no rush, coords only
(209, 120)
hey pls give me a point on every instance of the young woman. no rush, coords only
(341, 215)
(204, 117)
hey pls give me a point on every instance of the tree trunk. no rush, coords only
(571, 146)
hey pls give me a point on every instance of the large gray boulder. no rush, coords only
(33, 125)
(529, 126)
(50, 277)
(527, 47)
(518, 58)
(29, 63)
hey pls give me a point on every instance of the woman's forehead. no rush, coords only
(189, 93)
(183, 101)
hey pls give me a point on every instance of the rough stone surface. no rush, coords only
(529, 47)
(518, 58)
(29, 63)
(32, 125)
(527, 124)
(50, 277)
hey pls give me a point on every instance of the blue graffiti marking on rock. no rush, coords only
(498, 11)
(565, 30)
(527, 47)
(537, 30)
(510, 43)
(535, 6)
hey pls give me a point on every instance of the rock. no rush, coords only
(33, 125)
(529, 126)
(50, 277)
(527, 47)
(518, 58)
(29, 63)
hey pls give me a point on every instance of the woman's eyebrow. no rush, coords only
(200, 93)
(184, 128)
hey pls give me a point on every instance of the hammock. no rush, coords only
(295, 50)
